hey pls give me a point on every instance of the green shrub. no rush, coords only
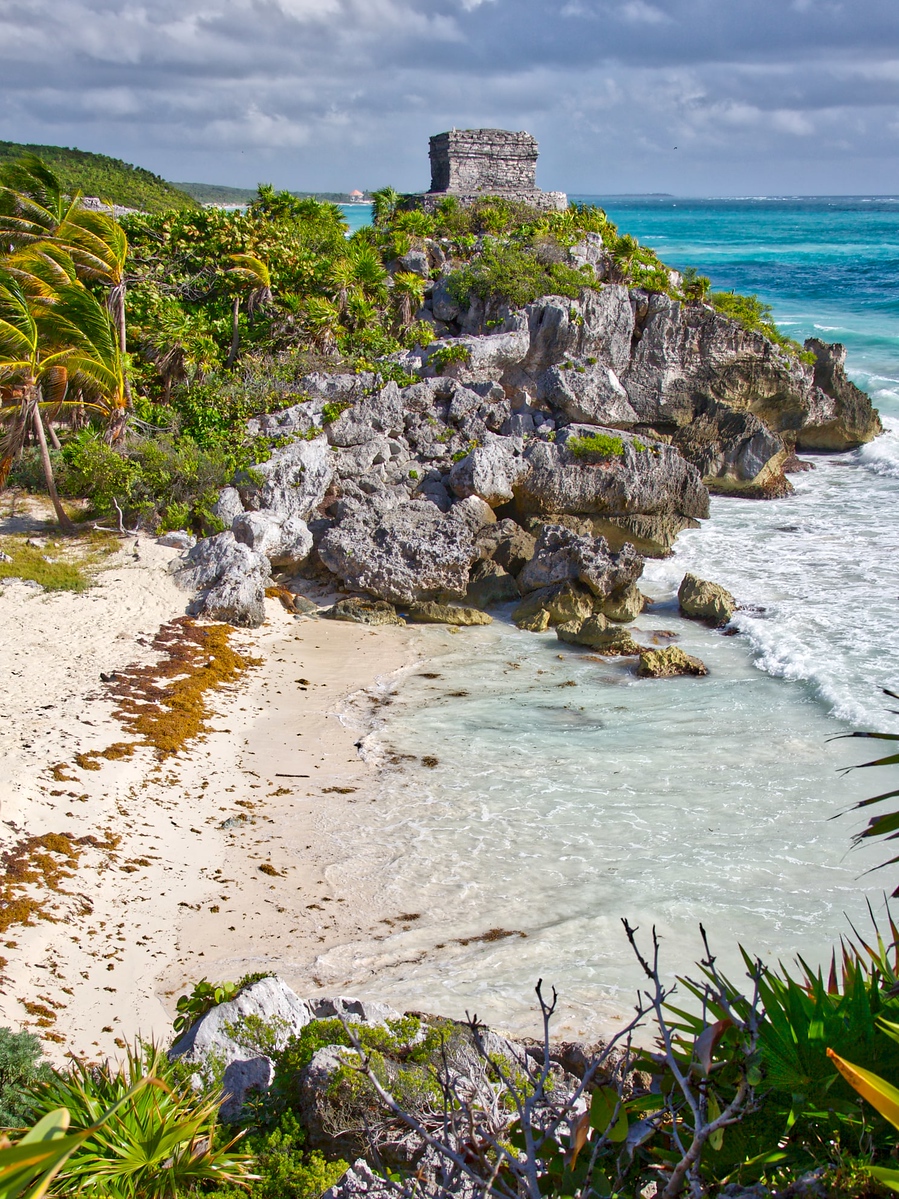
(604, 445)
(164, 482)
(287, 1170)
(442, 358)
(22, 1066)
(514, 274)
(755, 316)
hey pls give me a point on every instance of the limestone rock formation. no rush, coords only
(454, 614)
(598, 634)
(228, 577)
(561, 555)
(411, 552)
(701, 600)
(361, 610)
(668, 662)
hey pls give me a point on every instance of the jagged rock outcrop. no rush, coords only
(668, 663)
(611, 416)
(229, 578)
(453, 614)
(596, 633)
(702, 600)
(411, 552)
(561, 556)
(631, 476)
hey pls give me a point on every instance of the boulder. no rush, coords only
(455, 614)
(562, 602)
(508, 544)
(562, 555)
(667, 663)
(227, 506)
(444, 307)
(701, 600)
(591, 392)
(293, 482)
(536, 621)
(360, 610)
(412, 552)
(177, 539)
(229, 578)
(626, 476)
(624, 604)
(596, 633)
(215, 1038)
(489, 584)
(490, 471)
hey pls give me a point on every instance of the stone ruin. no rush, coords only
(469, 164)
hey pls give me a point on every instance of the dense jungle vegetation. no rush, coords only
(131, 354)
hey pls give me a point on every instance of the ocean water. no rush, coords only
(568, 794)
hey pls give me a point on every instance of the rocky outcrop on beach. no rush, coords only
(669, 663)
(608, 418)
(702, 600)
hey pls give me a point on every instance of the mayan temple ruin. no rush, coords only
(469, 164)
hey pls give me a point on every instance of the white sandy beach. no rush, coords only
(173, 896)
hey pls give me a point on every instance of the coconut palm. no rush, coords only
(39, 376)
(32, 203)
(98, 246)
(409, 293)
(254, 273)
(45, 347)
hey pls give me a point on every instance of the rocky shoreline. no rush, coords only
(552, 447)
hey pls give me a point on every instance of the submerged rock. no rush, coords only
(702, 600)
(669, 662)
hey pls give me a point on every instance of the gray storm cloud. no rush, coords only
(756, 95)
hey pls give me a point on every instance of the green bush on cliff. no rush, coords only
(756, 316)
(517, 275)
(603, 445)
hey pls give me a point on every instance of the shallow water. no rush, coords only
(555, 810)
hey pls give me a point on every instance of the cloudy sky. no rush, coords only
(694, 97)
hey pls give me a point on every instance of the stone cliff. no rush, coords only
(608, 418)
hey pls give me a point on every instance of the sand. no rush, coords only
(173, 889)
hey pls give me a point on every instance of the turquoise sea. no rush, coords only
(569, 794)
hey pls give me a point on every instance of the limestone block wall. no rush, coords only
(492, 161)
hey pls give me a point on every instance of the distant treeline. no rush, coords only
(215, 193)
(99, 175)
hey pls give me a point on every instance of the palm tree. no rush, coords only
(384, 203)
(409, 292)
(98, 246)
(25, 360)
(254, 272)
(322, 319)
(32, 202)
(625, 255)
(44, 348)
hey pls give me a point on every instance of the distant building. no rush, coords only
(356, 196)
(472, 163)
